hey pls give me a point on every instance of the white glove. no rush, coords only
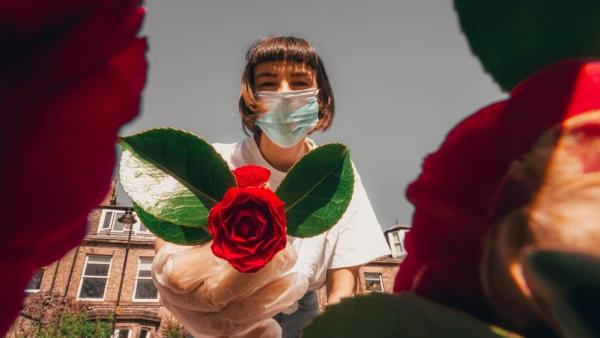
(212, 299)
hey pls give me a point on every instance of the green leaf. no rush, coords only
(398, 315)
(569, 286)
(173, 175)
(159, 193)
(317, 190)
(170, 232)
(514, 39)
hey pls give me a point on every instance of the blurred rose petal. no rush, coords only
(71, 74)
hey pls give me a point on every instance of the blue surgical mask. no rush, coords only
(290, 116)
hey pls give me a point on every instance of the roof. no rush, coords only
(397, 227)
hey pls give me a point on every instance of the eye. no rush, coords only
(299, 84)
(267, 84)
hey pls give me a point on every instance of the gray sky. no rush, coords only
(401, 72)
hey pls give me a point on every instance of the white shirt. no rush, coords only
(355, 240)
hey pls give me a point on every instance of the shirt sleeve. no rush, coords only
(360, 238)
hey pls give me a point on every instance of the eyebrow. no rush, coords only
(301, 73)
(266, 74)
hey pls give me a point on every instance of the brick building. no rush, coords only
(110, 273)
(379, 275)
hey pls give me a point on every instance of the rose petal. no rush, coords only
(252, 176)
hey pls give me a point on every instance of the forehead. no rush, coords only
(284, 67)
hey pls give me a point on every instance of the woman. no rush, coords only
(285, 96)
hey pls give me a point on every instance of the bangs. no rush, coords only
(283, 49)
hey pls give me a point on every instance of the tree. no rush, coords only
(47, 315)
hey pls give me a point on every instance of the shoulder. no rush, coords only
(225, 148)
(235, 154)
(228, 151)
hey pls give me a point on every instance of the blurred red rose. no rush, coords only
(454, 194)
(248, 226)
(71, 74)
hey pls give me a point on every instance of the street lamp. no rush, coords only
(126, 219)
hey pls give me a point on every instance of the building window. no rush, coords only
(140, 228)
(145, 333)
(397, 243)
(144, 289)
(94, 277)
(108, 221)
(36, 282)
(373, 282)
(122, 333)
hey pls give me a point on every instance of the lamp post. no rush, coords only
(126, 219)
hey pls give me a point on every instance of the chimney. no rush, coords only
(113, 196)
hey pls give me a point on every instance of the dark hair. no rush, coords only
(283, 48)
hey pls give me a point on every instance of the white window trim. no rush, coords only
(401, 234)
(112, 221)
(136, 228)
(40, 288)
(82, 276)
(380, 281)
(117, 331)
(101, 222)
(136, 225)
(137, 274)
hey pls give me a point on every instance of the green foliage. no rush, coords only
(401, 315)
(569, 286)
(170, 232)
(173, 175)
(74, 325)
(317, 190)
(46, 315)
(514, 39)
(173, 329)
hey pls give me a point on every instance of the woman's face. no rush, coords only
(283, 76)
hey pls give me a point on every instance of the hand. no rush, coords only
(213, 299)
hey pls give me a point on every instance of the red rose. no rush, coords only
(248, 226)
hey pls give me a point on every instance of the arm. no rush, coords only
(341, 283)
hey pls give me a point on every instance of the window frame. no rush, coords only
(400, 234)
(43, 270)
(136, 228)
(148, 332)
(87, 257)
(118, 330)
(137, 278)
(380, 275)
(113, 219)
